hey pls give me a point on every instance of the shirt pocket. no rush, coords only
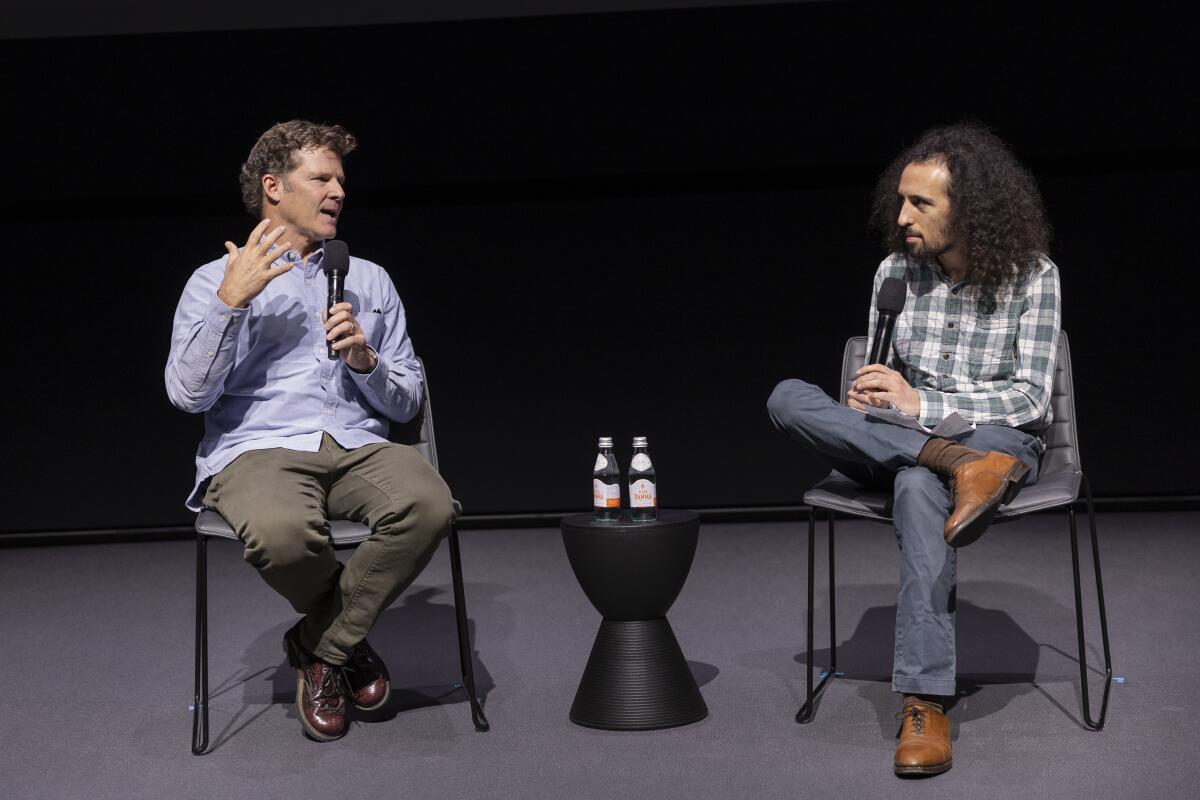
(993, 349)
(373, 327)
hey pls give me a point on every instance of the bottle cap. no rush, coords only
(640, 441)
(606, 441)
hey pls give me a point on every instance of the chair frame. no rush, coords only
(807, 710)
(418, 432)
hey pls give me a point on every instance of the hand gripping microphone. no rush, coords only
(890, 303)
(336, 263)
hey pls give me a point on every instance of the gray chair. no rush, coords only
(1059, 481)
(417, 433)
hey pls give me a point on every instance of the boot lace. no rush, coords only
(323, 687)
(916, 712)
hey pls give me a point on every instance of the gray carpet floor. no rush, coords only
(95, 693)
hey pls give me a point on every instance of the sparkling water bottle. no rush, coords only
(606, 484)
(643, 493)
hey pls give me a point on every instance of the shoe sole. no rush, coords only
(972, 528)
(933, 769)
(309, 730)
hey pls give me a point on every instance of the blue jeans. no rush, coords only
(883, 456)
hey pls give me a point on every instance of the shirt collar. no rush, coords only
(933, 265)
(313, 264)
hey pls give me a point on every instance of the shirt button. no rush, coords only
(950, 325)
(946, 356)
(316, 315)
(329, 412)
(223, 317)
(944, 375)
(210, 353)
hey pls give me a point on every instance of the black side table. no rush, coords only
(636, 677)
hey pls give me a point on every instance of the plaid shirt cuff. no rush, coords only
(933, 407)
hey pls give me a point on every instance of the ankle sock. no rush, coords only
(931, 699)
(944, 456)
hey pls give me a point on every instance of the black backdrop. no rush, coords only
(620, 224)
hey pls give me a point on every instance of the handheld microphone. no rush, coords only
(336, 263)
(890, 303)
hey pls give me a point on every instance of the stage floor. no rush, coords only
(95, 694)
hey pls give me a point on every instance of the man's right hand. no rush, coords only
(249, 271)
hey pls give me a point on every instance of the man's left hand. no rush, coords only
(882, 387)
(352, 347)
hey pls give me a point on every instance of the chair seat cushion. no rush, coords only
(839, 493)
(343, 532)
(1057, 488)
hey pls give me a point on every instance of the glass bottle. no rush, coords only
(606, 484)
(643, 489)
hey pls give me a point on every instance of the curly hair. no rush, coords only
(996, 210)
(275, 153)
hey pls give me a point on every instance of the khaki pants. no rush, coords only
(279, 502)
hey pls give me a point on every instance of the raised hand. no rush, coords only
(249, 271)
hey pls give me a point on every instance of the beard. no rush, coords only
(921, 249)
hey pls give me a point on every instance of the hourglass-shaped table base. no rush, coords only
(636, 677)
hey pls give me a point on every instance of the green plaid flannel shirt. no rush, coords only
(991, 368)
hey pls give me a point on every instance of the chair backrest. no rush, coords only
(418, 431)
(1062, 440)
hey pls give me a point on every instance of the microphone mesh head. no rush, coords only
(336, 257)
(892, 295)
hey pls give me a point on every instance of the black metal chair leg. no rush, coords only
(200, 699)
(805, 713)
(1094, 724)
(464, 634)
(832, 606)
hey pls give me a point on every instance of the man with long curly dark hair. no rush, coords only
(976, 340)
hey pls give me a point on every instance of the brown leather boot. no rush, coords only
(924, 747)
(320, 691)
(367, 678)
(980, 487)
(321, 701)
(981, 483)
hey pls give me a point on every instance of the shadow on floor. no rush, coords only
(418, 640)
(997, 659)
(703, 673)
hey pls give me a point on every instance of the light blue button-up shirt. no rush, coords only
(262, 375)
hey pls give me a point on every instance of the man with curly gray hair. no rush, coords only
(295, 435)
(963, 224)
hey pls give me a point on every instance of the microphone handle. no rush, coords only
(882, 345)
(336, 295)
